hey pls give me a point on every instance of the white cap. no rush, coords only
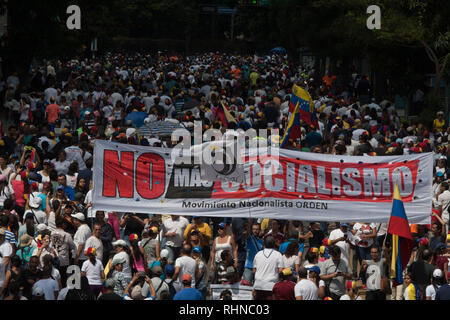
(78, 216)
(368, 118)
(41, 227)
(164, 253)
(87, 112)
(119, 242)
(437, 273)
(131, 132)
(66, 108)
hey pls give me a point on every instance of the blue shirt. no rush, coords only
(137, 118)
(70, 193)
(252, 250)
(188, 294)
(284, 246)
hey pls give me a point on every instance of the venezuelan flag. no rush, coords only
(307, 112)
(225, 115)
(293, 128)
(402, 240)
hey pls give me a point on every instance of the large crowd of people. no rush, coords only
(47, 224)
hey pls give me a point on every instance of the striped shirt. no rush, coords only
(10, 237)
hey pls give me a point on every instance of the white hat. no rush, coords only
(164, 253)
(119, 242)
(442, 158)
(66, 108)
(136, 293)
(35, 201)
(437, 273)
(367, 118)
(78, 216)
(130, 132)
(87, 112)
(41, 227)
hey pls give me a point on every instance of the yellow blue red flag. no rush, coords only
(402, 240)
(306, 110)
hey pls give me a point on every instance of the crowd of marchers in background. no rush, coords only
(49, 123)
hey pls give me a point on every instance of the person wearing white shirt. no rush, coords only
(267, 265)
(341, 237)
(173, 229)
(83, 233)
(74, 153)
(94, 241)
(184, 264)
(305, 289)
(443, 202)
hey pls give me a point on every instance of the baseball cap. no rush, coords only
(157, 270)
(41, 227)
(197, 249)
(439, 173)
(154, 230)
(119, 242)
(222, 225)
(437, 273)
(345, 225)
(314, 269)
(164, 253)
(287, 271)
(187, 278)
(169, 270)
(110, 283)
(424, 241)
(91, 250)
(78, 216)
(136, 293)
(60, 187)
(66, 108)
(118, 260)
(133, 237)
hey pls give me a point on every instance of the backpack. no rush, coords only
(25, 256)
(172, 290)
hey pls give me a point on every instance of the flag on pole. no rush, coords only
(402, 240)
(293, 128)
(307, 111)
(224, 115)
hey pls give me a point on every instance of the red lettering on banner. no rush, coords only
(118, 174)
(150, 175)
(294, 179)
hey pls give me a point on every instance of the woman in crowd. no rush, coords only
(137, 259)
(222, 242)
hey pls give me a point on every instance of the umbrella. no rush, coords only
(280, 50)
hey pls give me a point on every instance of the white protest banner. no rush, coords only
(238, 292)
(293, 185)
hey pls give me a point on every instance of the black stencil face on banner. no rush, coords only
(185, 182)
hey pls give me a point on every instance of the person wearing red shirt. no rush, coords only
(284, 289)
(52, 111)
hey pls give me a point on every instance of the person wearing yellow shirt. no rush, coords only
(204, 232)
(253, 78)
(438, 124)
